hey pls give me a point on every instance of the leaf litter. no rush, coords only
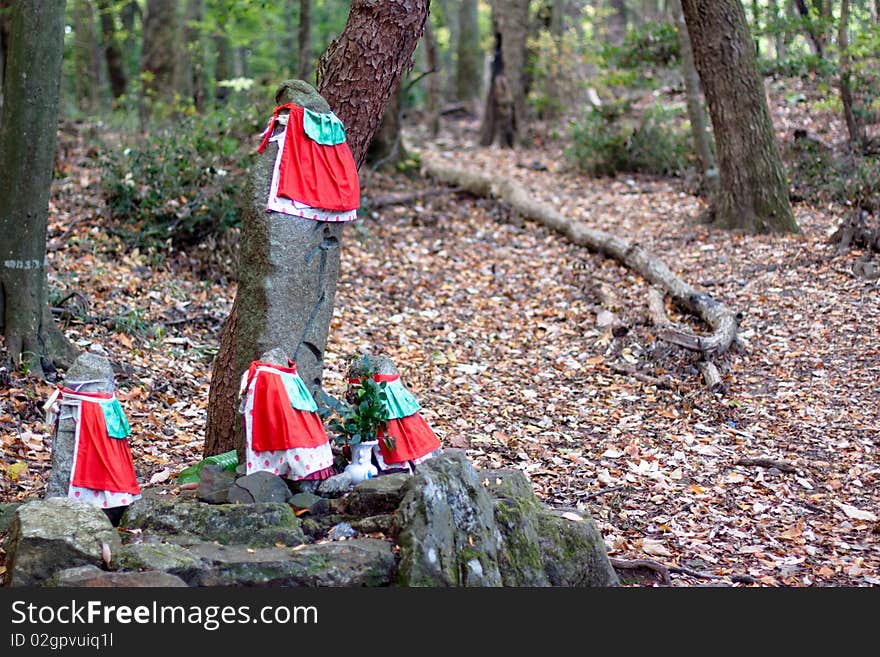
(492, 322)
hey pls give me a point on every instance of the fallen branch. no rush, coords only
(641, 376)
(710, 375)
(604, 491)
(764, 462)
(720, 318)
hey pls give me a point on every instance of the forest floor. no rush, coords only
(492, 323)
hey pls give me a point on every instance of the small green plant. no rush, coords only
(363, 417)
(606, 141)
(131, 322)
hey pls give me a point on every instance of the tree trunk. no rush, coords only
(856, 135)
(28, 126)
(128, 15)
(86, 64)
(112, 53)
(753, 192)
(499, 118)
(306, 65)
(756, 26)
(469, 59)
(357, 76)
(191, 68)
(386, 149)
(3, 41)
(222, 67)
(160, 54)
(696, 111)
(433, 66)
(512, 17)
(875, 11)
(817, 39)
(778, 35)
(615, 26)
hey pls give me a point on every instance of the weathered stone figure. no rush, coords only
(289, 265)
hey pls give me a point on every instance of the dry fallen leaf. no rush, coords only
(160, 476)
(856, 513)
(655, 548)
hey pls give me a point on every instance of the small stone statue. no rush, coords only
(408, 440)
(91, 458)
(283, 433)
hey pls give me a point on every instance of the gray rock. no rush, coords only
(259, 487)
(377, 495)
(357, 562)
(383, 524)
(303, 485)
(165, 557)
(341, 531)
(315, 504)
(50, 535)
(335, 486)
(448, 535)
(250, 524)
(90, 372)
(7, 515)
(214, 484)
(459, 527)
(92, 577)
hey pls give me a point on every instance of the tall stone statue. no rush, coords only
(302, 189)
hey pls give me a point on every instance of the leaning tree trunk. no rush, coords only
(753, 192)
(357, 76)
(28, 124)
(696, 112)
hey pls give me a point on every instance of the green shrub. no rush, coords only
(655, 44)
(605, 141)
(179, 185)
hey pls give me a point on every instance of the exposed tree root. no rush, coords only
(721, 319)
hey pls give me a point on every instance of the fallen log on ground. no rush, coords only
(716, 315)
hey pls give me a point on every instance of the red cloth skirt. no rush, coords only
(102, 463)
(413, 438)
(321, 176)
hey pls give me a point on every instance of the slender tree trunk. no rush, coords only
(499, 118)
(433, 64)
(304, 55)
(28, 125)
(753, 192)
(696, 112)
(223, 67)
(817, 40)
(191, 67)
(469, 60)
(553, 70)
(506, 94)
(615, 26)
(161, 50)
(112, 52)
(875, 11)
(856, 135)
(756, 26)
(357, 76)
(3, 41)
(387, 149)
(86, 63)
(129, 14)
(778, 36)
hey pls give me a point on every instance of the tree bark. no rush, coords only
(306, 65)
(696, 111)
(778, 35)
(112, 52)
(357, 76)
(161, 50)
(856, 134)
(28, 126)
(223, 67)
(469, 56)
(499, 117)
(753, 192)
